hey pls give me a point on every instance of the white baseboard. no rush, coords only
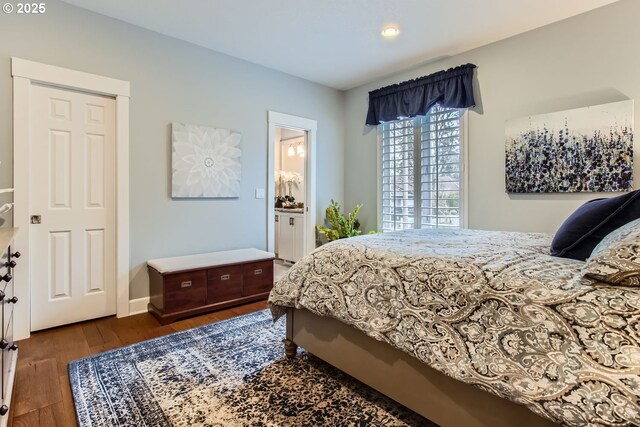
(137, 306)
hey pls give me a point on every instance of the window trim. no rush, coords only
(464, 170)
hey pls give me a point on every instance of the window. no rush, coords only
(422, 171)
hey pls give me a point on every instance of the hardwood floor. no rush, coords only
(42, 390)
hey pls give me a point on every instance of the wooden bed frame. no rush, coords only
(441, 399)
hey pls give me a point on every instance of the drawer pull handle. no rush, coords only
(225, 277)
(258, 271)
(185, 284)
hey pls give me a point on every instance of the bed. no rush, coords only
(469, 328)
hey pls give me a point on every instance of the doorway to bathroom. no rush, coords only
(291, 190)
(290, 150)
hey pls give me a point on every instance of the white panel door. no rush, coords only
(298, 237)
(277, 235)
(72, 182)
(285, 243)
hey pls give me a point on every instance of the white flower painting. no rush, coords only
(205, 162)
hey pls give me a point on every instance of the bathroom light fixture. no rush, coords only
(291, 152)
(300, 150)
(390, 31)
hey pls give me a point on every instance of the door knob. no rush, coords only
(16, 254)
(3, 343)
(11, 264)
(7, 277)
(1, 295)
(13, 347)
(4, 409)
(12, 300)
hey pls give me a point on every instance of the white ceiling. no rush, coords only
(337, 42)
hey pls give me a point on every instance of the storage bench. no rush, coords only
(193, 284)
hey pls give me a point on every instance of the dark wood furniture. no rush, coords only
(8, 348)
(185, 286)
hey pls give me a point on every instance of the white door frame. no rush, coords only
(25, 73)
(309, 126)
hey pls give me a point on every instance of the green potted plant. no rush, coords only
(341, 226)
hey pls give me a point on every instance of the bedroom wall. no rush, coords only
(585, 60)
(173, 80)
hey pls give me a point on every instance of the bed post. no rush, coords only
(290, 348)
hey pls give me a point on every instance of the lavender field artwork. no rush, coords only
(585, 149)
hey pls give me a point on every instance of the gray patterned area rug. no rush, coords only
(229, 373)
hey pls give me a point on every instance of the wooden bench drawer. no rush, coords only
(224, 283)
(193, 284)
(185, 290)
(257, 277)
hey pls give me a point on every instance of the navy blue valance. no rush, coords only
(452, 88)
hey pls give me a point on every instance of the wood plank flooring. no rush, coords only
(42, 389)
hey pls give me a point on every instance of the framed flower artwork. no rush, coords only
(205, 162)
(583, 149)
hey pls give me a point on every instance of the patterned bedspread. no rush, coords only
(491, 309)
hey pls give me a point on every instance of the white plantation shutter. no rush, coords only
(440, 168)
(398, 175)
(421, 171)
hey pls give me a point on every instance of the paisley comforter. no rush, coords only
(492, 309)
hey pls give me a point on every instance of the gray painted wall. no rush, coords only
(585, 60)
(173, 80)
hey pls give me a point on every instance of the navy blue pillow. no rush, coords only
(590, 223)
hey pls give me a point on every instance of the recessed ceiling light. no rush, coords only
(390, 31)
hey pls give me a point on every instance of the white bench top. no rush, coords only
(211, 259)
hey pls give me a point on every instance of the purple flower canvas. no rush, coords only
(586, 149)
